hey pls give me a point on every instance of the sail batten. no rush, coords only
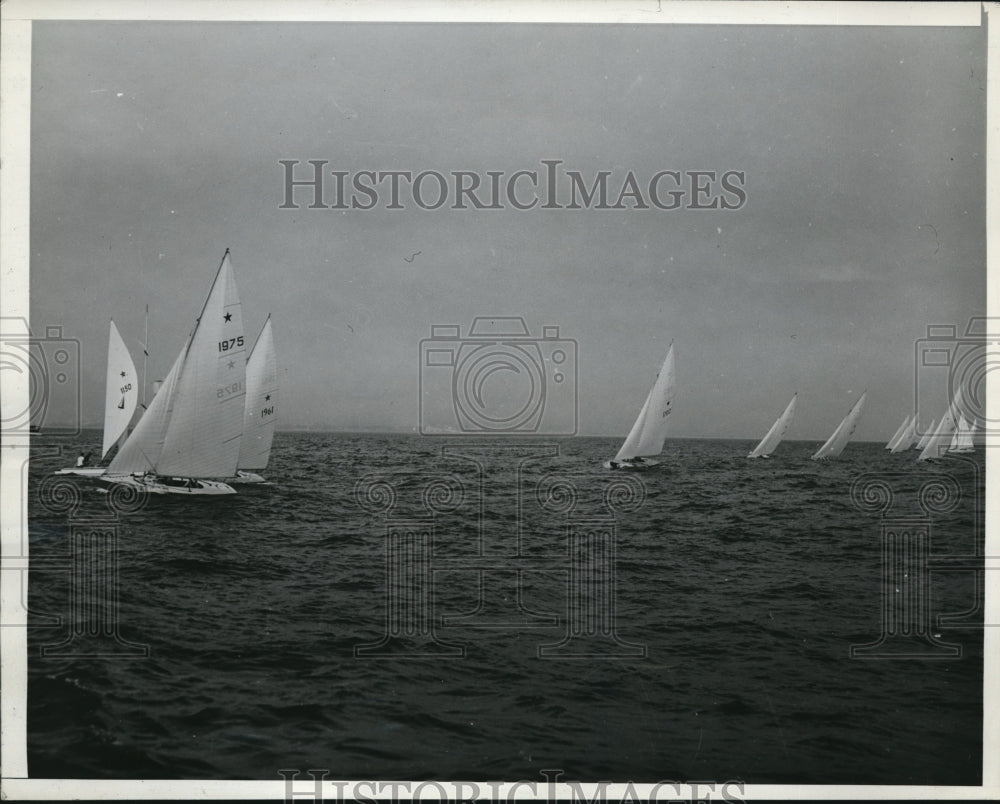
(835, 443)
(650, 429)
(777, 432)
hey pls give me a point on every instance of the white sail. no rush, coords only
(835, 443)
(891, 443)
(776, 433)
(121, 390)
(922, 442)
(938, 443)
(260, 412)
(650, 429)
(142, 448)
(206, 423)
(962, 440)
(905, 441)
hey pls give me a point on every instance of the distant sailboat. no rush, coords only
(905, 441)
(650, 429)
(260, 413)
(922, 441)
(892, 442)
(962, 440)
(938, 443)
(770, 441)
(121, 394)
(193, 428)
(835, 443)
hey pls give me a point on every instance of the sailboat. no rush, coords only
(922, 441)
(897, 436)
(770, 441)
(835, 443)
(962, 440)
(121, 395)
(650, 429)
(938, 443)
(193, 428)
(905, 441)
(260, 410)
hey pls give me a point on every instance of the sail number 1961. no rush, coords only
(232, 343)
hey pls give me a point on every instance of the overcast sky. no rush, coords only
(155, 146)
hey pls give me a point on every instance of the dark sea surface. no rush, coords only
(721, 651)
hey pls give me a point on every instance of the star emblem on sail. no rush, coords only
(194, 425)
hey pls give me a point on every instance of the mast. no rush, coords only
(145, 358)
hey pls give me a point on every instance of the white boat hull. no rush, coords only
(247, 477)
(631, 464)
(154, 484)
(83, 471)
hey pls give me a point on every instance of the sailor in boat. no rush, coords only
(83, 460)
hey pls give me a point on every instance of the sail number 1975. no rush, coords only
(232, 343)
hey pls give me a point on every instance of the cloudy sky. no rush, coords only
(155, 146)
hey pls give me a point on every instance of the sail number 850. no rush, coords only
(232, 343)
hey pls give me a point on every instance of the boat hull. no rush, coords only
(83, 471)
(187, 486)
(631, 464)
(247, 477)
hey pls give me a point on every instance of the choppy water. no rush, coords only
(744, 582)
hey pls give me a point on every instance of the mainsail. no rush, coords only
(962, 440)
(121, 390)
(892, 442)
(905, 441)
(193, 426)
(650, 429)
(922, 442)
(938, 443)
(261, 399)
(776, 433)
(835, 443)
(142, 448)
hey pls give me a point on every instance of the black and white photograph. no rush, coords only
(486, 400)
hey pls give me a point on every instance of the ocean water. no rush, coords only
(397, 607)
